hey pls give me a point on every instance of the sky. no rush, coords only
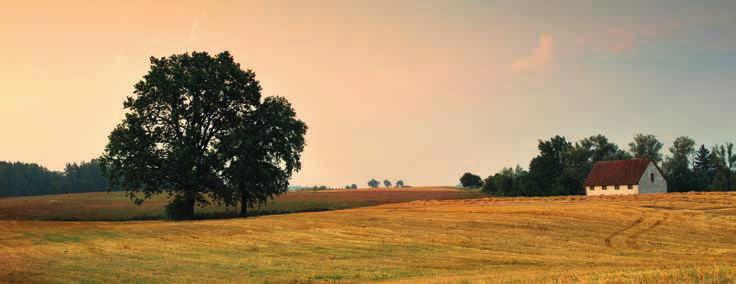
(415, 90)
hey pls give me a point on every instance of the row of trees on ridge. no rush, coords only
(373, 183)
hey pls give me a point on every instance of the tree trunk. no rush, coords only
(243, 204)
(189, 203)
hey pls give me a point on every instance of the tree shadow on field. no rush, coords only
(197, 216)
(234, 214)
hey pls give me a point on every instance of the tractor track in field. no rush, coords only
(609, 239)
(631, 241)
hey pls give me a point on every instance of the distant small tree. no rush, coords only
(469, 180)
(399, 183)
(373, 183)
(386, 183)
(354, 186)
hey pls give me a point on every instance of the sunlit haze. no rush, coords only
(414, 90)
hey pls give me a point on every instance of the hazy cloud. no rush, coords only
(539, 58)
(619, 40)
(194, 30)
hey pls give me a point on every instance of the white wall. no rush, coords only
(611, 190)
(647, 186)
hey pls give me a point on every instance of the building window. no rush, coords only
(630, 187)
(615, 187)
(591, 188)
(651, 177)
(604, 187)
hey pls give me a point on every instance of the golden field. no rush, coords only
(673, 237)
(115, 206)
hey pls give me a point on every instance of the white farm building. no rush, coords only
(625, 177)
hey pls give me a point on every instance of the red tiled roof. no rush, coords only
(622, 172)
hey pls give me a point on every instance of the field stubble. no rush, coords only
(664, 237)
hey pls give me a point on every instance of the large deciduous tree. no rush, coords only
(179, 130)
(677, 166)
(266, 150)
(546, 170)
(581, 156)
(647, 147)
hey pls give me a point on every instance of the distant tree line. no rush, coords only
(561, 166)
(22, 179)
(309, 187)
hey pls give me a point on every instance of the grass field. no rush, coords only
(115, 206)
(644, 238)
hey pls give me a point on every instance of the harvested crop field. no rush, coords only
(663, 237)
(115, 206)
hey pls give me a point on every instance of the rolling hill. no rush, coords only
(661, 237)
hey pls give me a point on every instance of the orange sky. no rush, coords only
(418, 90)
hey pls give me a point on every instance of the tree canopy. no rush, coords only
(469, 180)
(193, 123)
(704, 166)
(399, 183)
(726, 160)
(547, 170)
(646, 146)
(561, 167)
(22, 179)
(677, 165)
(373, 183)
(386, 183)
(264, 153)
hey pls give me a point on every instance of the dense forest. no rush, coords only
(561, 166)
(21, 179)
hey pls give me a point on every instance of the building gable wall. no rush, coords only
(645, 182)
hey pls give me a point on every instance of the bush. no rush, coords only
(176, 209)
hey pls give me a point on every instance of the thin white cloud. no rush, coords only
(538, 59)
